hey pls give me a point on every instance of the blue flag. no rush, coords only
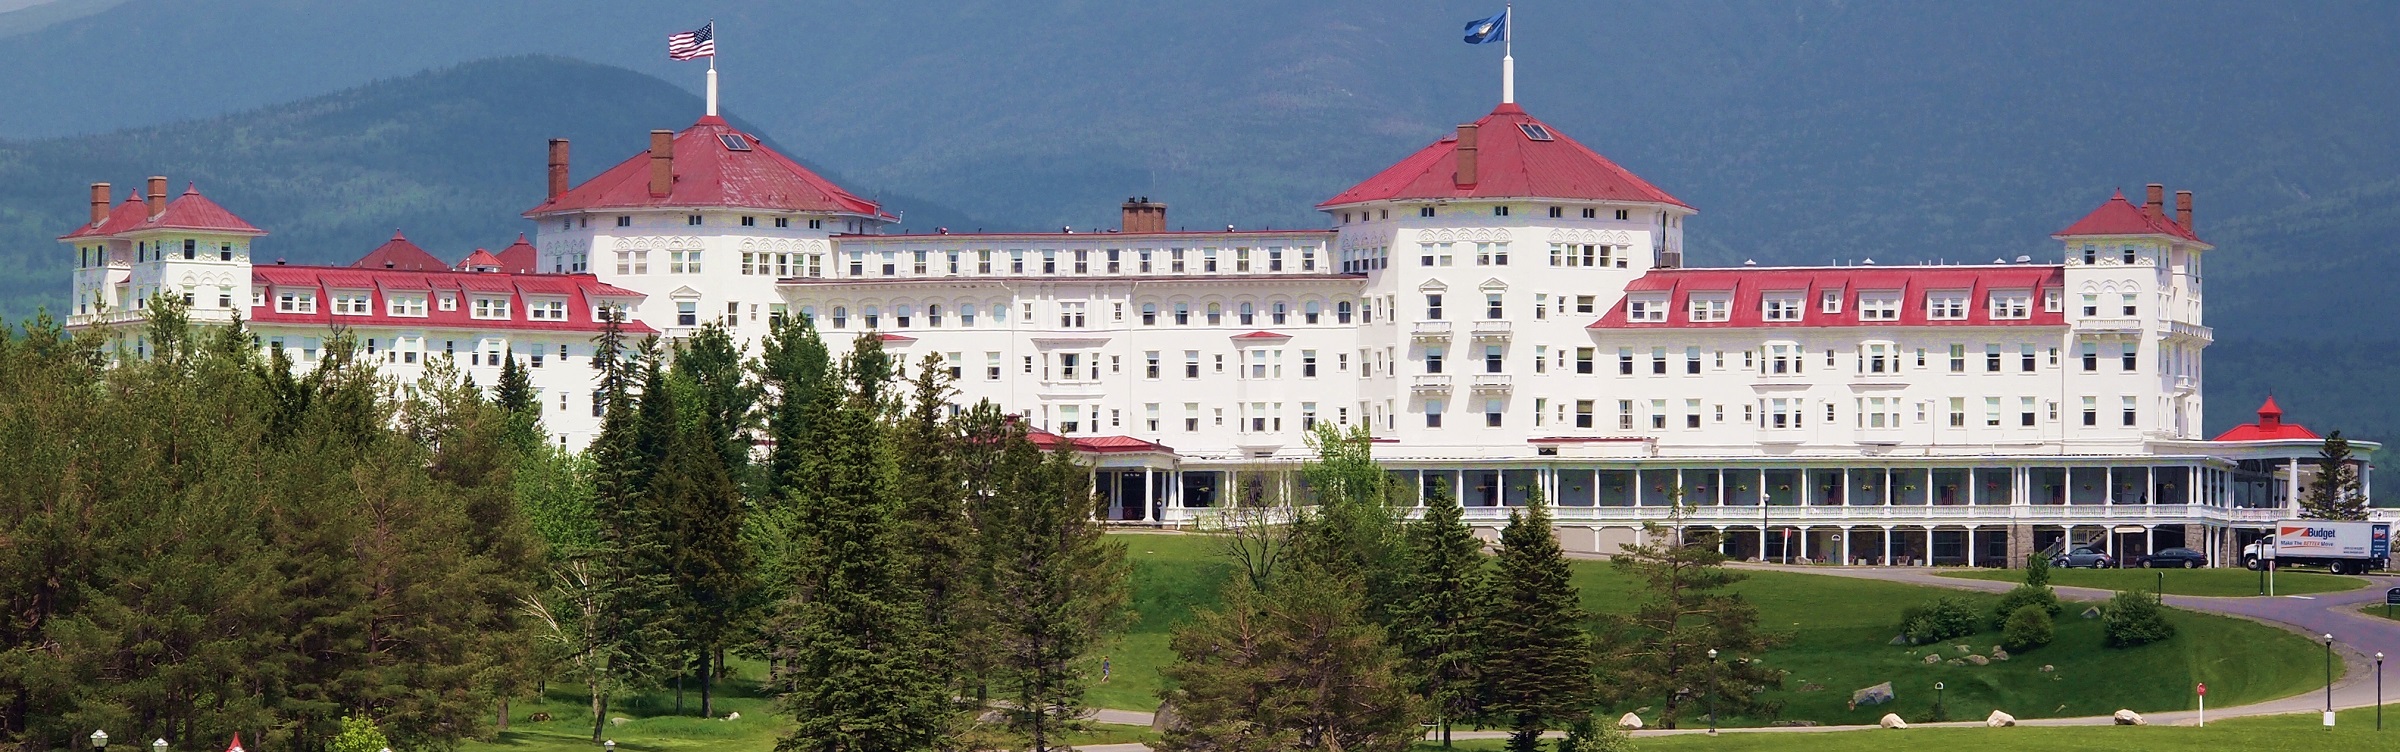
(1492, 29)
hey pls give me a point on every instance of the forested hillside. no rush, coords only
(448, 156)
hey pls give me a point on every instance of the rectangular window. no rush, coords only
(1658, 414)
(1991, 358)
(1191, 364)
(1433, 306)
(1958, 358)
(1879, 306)
(1150, 364)
(1433, 359)
(1583, 413)
(2025, 412)
(1625, 415)
(2091, 411)
(1780, 307)
(1624, 361)
(2025, 358)
(1691, 413)
(1946, 306)
(1645, 308)
(1433, 413)
(1584, 303)
(1658, 361)
(1583, 359)
(2011, 304)
(1308, 364)
(1958, 412)
(2129, 307)
(1832, 302)
(1691, 360)
(1711, 307)
(491, 308)
(1491, 413)
(2129, 412)
(2091, 357)
(2127, 353)
(1492, 308)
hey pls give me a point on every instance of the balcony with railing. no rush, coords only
(1430, 330)
(1490, 383)
(1490, 330)
(1431, 382)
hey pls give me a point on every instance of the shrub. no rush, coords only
(1938, 619)
(2027, 628)
(2022, 596)
(359, 735)
(2037, 572)
(2135, 618)
(1595, 735)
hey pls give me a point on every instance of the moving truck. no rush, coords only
(2344, 547)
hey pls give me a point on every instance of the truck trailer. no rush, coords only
(2344, 547)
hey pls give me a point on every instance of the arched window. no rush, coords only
(1341, 312)
(808, 313)
(874, 316)
(1281, 309)
(1183, 314)
(1248, 314)
(933, 314)
(1216, 314)
(841, 316)
(999, 313)
(901, 314)
(966, 314)
(1149, 314)
(1310, 311)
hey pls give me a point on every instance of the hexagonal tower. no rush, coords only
(2133, 303)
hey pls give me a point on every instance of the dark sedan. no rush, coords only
(2172, 558)
(2081, 557)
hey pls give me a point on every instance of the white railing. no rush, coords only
(1996, 514)
(1431, 330)
(1491, 329)
(1491, 382)
(1431, 382)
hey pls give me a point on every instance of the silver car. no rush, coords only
(2084, 557)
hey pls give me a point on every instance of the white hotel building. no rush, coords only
(1506, 309)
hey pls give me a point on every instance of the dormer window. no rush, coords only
(490, 308)
(1831, 302)
(296, 301)
(352, 304)
(2052, 301)
(1780, 306)
(449, 301)
(1946, 305)
(1708, 307)
(404, 305)
(2012, 304)
(1646, 308)
(1879, 306)
(546, 310)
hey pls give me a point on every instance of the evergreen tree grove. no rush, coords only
(1057, 590)
(1537, 658)
(1437, 624)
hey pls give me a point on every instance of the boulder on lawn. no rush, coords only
(1998, 720)
(1964, 648)
(539, 718)
(1892, 721)
(1901, 640)
(1165, 719)
(2130, 718)
(2092, 613)
(1630, 722)
(733, 716)
(2047, 668)
(1875, 695)
(1956, 662)
(1978, 660)
(1999, 654)
(1932, 658)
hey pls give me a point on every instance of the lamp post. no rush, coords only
(1939, 714)
(610, 745)
(1712, 691)
(2379, 690)
(159, 746)
(2329, 681)
(99, 739)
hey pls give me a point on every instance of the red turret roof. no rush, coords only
(2270, 427)
(126, 216)
(2117, 216)
(398, 253)
(518, 257)
(1510, 164)
(192, 211)
(709, 174)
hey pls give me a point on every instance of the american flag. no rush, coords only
(691, 44)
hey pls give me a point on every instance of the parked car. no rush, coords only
(2084, 557)
(2172, 558)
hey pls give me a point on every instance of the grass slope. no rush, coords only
(1840, 627)
(2353, 730)
(2207, 582)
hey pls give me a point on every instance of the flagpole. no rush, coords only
(1508, 59)
(712, 68)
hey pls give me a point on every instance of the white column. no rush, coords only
(2112, 544)
(1970, 545)
(1149, 492)
(1803, 536)
(2149, 539)
(1846, 559)
(1887, 545)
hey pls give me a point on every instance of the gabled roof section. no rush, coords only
(1511, 163)
(518, 257)
(480, 260)
(398, 253)
(192, 211)
(1747, 289)
(2117, 216)
(126, 216)
(581, 290)
(710, 175)
(1047, 441)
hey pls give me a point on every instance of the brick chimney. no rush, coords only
(1466, 155)
(158, 194)
(558, 167)
(662, 163)
(2156, 204)
(99, 202)
(1144, 215)
(2183, 209)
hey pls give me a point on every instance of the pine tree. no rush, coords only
(1435, 625)
(1296, 667)
(793, 370)
(1659, 653)
(615, 592)
(1058, 588)
(932, 527)
(1537, 664)
(855, 651)
(515, 397)
(700, 513)
(2335, 494)
(1354, 531)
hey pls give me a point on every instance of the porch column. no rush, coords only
(1149, 492)
(1887, 545)
(1638, 488)
(1846, 560)
(1970, 544)
(2112, 544)
(1803, 536)
(2149, 539)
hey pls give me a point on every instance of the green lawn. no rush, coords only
(1840, 628)
(2380, 611)
(2208, 582)
(2354, 730)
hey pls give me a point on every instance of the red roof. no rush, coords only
(894, 339)
(126, 216)
(192, 211)
(1509, 164)
(2270, 427)
(708, 174)
(1262, 335)
(478, 260)
(398, 253)
(518, 257)
(1097, 444)
(578, 289)
(1747, 288)
(2117, 216)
